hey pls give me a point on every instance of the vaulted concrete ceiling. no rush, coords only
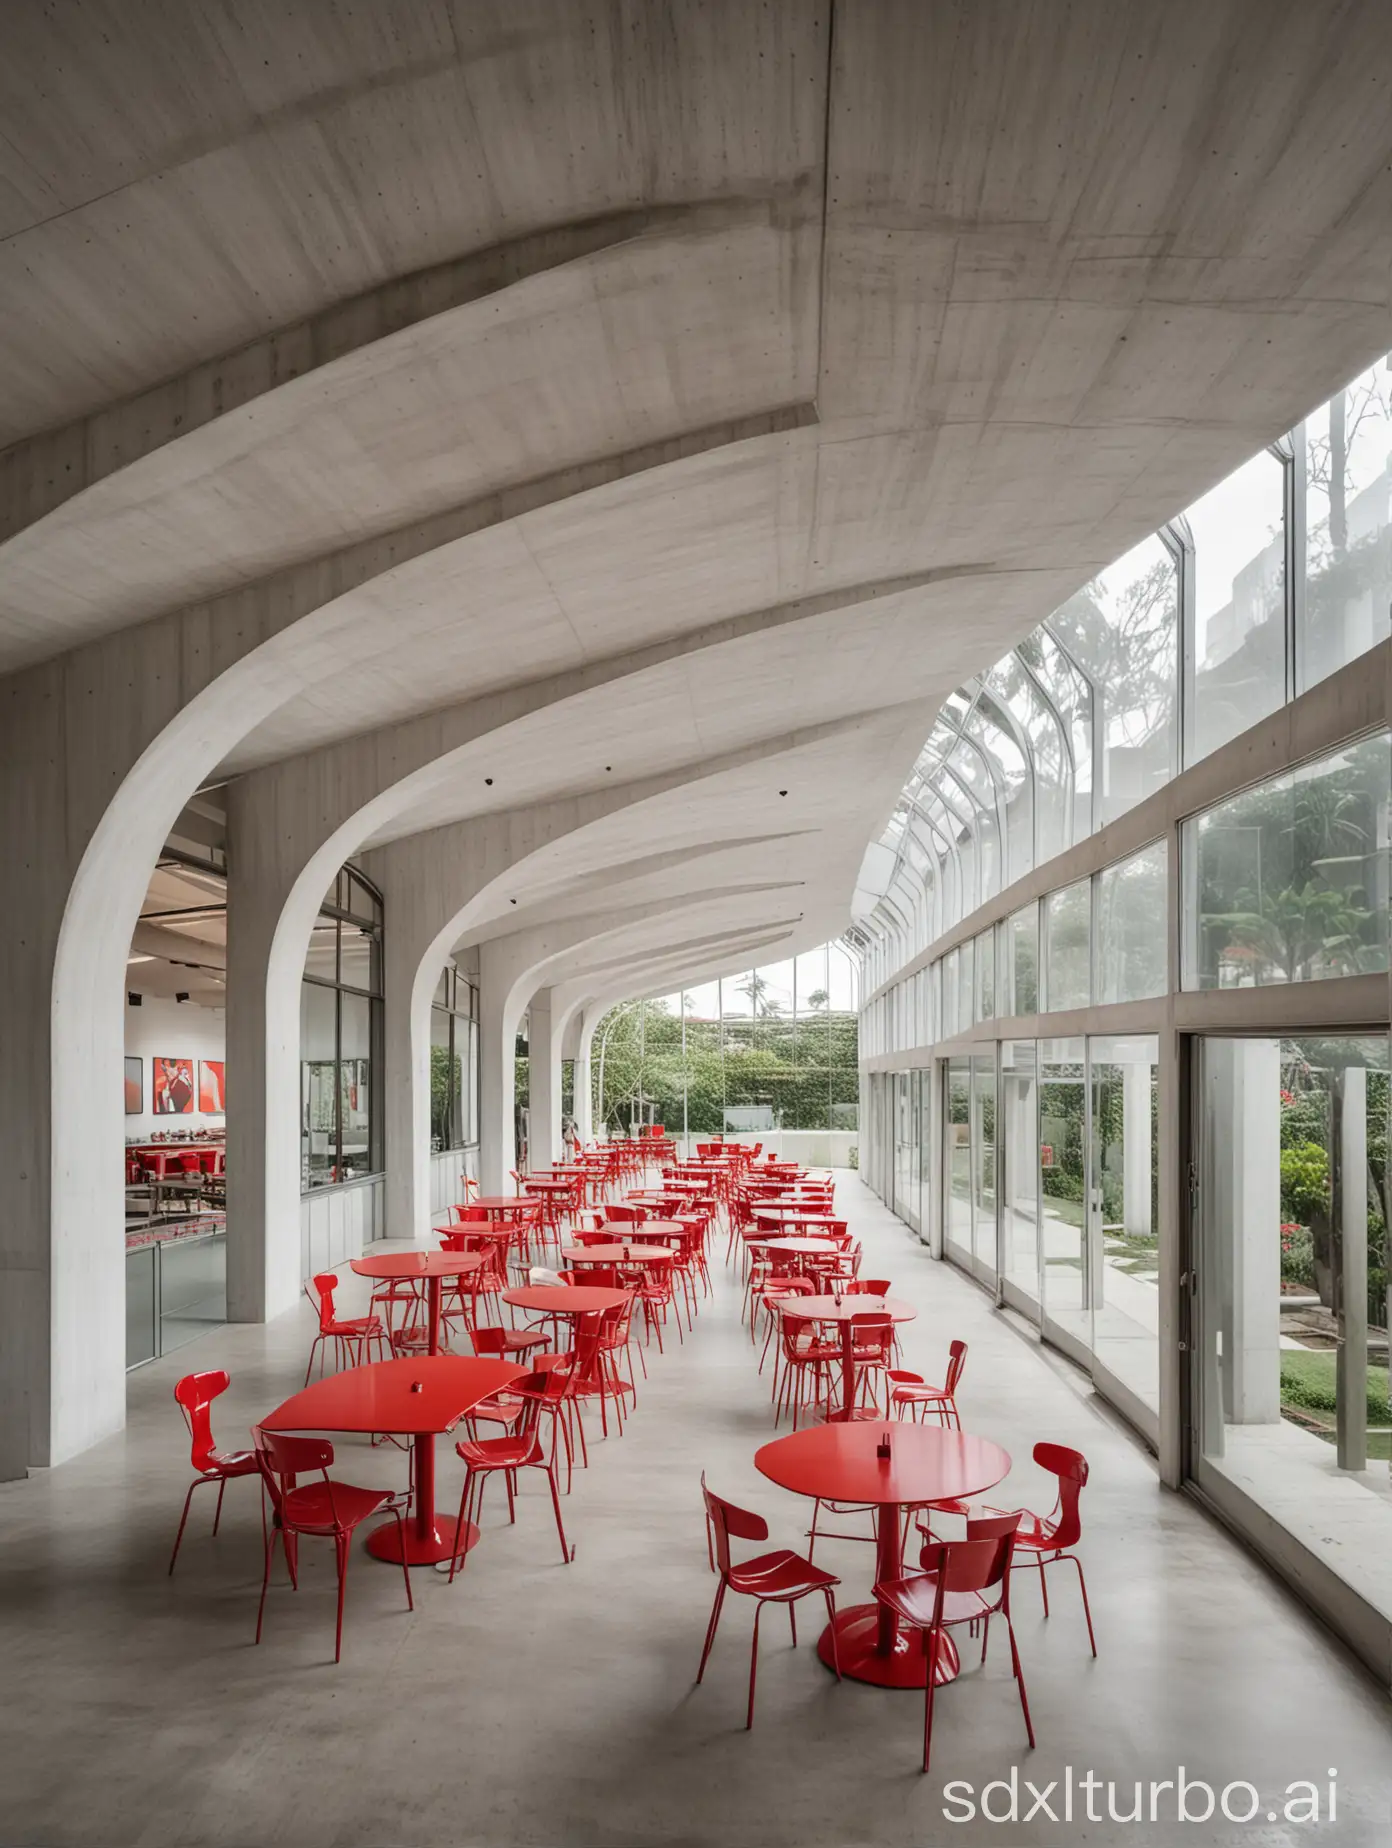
(871, 327)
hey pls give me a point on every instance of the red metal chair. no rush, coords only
(195, 1394)
(520, 1449)
(779, 1577)
(358, 1333)
(1046, 1540)
(911, 1394)
(326, 1510)
(625, 1215)
(963, 1581)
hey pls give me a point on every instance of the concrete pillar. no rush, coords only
(584, 1093)
(406, 991)
(544, 1074)
(1135, 1149)
(1351, 1275)
(1241, 1204)
(498, 1018)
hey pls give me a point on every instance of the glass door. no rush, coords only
(1063, 1186)
(983, 1161)
(957, 1161)
(927, 1145)
(1019, 1217)
(1122, 1270)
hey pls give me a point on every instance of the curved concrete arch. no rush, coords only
(41, 473)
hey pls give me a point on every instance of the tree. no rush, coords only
(817, 1000)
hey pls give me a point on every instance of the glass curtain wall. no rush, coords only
(1276, 577)
(341, 1037)
(1291, 1348)
(453, 1063)
(774, 1049)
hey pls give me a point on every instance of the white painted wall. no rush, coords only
(165, 1029)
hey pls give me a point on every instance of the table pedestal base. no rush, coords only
(427, 1549)
(857, 1646)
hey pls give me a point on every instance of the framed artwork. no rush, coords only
(135, 1086)
(171, 1087)
(211, 1088)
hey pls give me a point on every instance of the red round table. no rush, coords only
(838, 1462)
(565, 1299)
(432, 1265)
(827, 1309)
(499, 1206)
(633, 1253)
(418, 1397)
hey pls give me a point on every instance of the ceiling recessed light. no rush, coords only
(782, 792)
(489, 781)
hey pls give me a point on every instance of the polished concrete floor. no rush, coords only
(536, 1702)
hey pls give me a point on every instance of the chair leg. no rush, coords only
(459, 1522)
(1019, 1680)
(217, 1512)
(711, 1628)
(930, 1647)
(830, 1597)
(405, 1569)
(184, 1517)
(1043, 1583)
(792, 1619)
(265, 1580)
(812, 1530)
(341, 1550)
(1082, 1587)
(556, 1506)
(753, 1664)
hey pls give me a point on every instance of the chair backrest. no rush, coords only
(626, 1215)
(956, 1365)
(279, 1457)
(980, 1563)
(872, 1328)
(729, 1522)
(195, 1392)
(488, 1340)
(320, 1292)
(598, 1237)
(868, 1286)
(470, 1215)
(1070, 1466)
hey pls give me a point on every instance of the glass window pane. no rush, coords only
(321, 958)
(1062, 1182)
(355, 1087)
(957, 1161)
(1123, 630)
(983, 1129)
(1067, 947)
(318, 1056)
(1131, 933)
(1288, 882)
(986, 976)
(358, 961)
(1348, 525)
(1124, 1267)
(446, 1128)
(1019, 1248)
(1239, 603)
(1022, 961)
(951, 990)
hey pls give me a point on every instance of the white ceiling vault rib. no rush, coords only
(545, 396)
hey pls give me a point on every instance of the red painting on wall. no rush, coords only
(171, 1085)
(211, 1087)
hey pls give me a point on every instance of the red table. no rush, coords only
(418, 1397)
(632, 1253)
(499, 1206)
(432, 1265)
(565, 1299)
(827, 1309)
(838, 1462)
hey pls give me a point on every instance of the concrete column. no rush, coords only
(1351, 1276)
(406, 1080)
(1135, 1149)
(544, 1073)
(498, 1019)
(1242, 1228)
(584, 1095)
